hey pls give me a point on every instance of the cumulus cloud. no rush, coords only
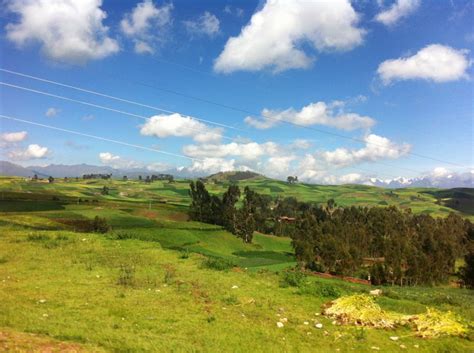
(144, 24)
(301, 144)
(318, 113)
(435, 62)
(180, 126)
(396, 12)
(33, 151)
(67, 31)
(247, 151)
(52, 112)
(118, 162)
(376, 148)
(212, 165)
(207, 24)
(275, 36)
(13, 137)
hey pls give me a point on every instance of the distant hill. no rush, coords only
(454, 180)
(234, 176)
(11, 169)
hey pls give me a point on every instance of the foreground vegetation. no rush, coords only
(155, 281)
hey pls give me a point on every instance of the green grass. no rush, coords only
(158, 282)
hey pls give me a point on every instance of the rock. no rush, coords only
(283, 319)
(375, 348)
(376, 292)
(416, 346)
(306, 323)
(234, 287)
(394, 338)
(402, 346)
(280, 324)
(42, 301)
(318, 325)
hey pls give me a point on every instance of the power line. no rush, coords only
(113, 97)
(359, 140)
(103, 107)
(99, 138)
(242, 110)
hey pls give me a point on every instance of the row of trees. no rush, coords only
(384, 243)
(390, 245)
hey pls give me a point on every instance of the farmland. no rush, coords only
(158, 282)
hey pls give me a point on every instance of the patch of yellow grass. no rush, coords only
(360, 309)
(435, 323)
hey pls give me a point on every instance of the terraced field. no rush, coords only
(158, 282)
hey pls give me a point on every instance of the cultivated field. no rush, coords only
(158, 282)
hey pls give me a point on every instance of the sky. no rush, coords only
(331, 91)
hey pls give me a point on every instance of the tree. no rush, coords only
(245, 225)
(140, 177)
(229, 199)
(35, 177)
(105, 190)
(467, 271)
(200, 209)
(50, 180)
(125, 178)
(292, 179)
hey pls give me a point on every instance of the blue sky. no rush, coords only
(393, 76)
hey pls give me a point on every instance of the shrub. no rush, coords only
(99, 225)
(217, 263)
(320, 290)
(38, 237)
(184, 254)
(123, 235)
(292, 279)
(170, 274)
(126, 276)
(231, 300)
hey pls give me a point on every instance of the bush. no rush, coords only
(217, 263)
(99, 225)
(126, 276)
(292, 279)
(123, 235)
(320, 290)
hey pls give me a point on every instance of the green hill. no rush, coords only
(157, 282)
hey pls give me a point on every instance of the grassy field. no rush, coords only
(148, 284)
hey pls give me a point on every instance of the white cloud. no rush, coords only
(247, 151)
(207, 24)
(118, 162)
(212, 165)
(33, 151)
(398, 10)
(181, 126)
(52, 112)
(376, 148)
(237, 11)
(434, 62)
(274, 37)
(301, 144)
(68, 31)
(318, 113)
(440, 172)
(13, 137)
(145, 25)
(278, 166)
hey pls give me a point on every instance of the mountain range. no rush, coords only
(450, 180)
